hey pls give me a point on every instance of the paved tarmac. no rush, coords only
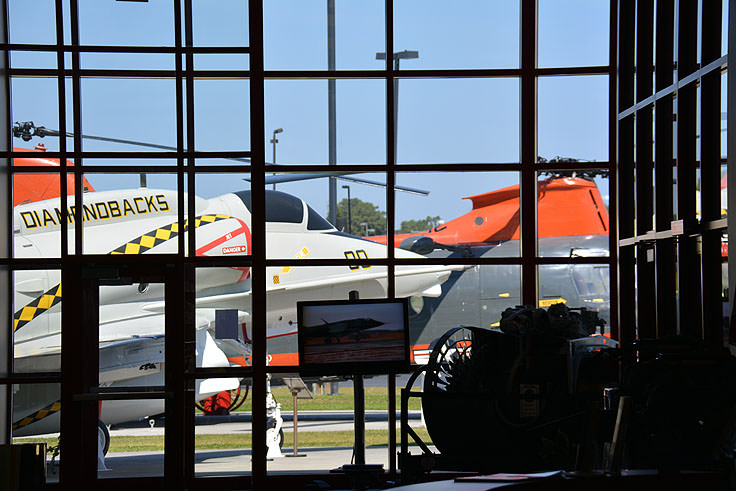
(233, 462)
(241, 423)
(229, 462)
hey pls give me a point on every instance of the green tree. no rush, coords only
(362, 212)
(422, 225)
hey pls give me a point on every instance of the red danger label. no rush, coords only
(234, 249)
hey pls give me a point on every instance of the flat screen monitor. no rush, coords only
(353, 337)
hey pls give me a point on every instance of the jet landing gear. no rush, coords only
(274, 422)
(103, 445)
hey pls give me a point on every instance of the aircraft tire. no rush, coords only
(103, 436)
(281, 438)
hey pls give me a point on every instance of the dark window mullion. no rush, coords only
(625, 176)
(710, 175)
(258, 229)
(77, 125)
(687, 257)
(613, 170)
(528, 157)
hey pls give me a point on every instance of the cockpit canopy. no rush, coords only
(285, 208)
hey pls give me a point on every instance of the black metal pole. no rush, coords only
(332, 111)
(359, 408)
(350, 214)
(396, 107)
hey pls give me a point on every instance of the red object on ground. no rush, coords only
(217, 405)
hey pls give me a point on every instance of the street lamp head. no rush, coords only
(407, 54)
(402, 55)
(345, 186)
(278, 130)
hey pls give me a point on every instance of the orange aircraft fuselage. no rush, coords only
(29, 188)
(566, 206)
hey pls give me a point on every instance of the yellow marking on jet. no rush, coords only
(139, 245)
(301, 254)
(551, 301)
(52, 408)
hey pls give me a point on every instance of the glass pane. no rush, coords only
(36, 213)
(473, 297)
(222, 434)
(132, 354)
(126, 23)
(724, 143)
(310, 283)
(573, 117)
(218, 102)
(32, 22)
(213, 61)
(37, 321)
(359, 35)
(120, 217)
(573, 32)
(144, 110)
(222, 215)
(35, 418)
(572, 213)
(724, 28)
(137, 433)
(5, 340)
(36, 100)
(300, 108)
(489, 219)
(577, 285)
(458, 120)
(471, 34)
(33, 59)
(222, 23)
(297, 219)
(224, 328)
(127, 61)
(328, 440)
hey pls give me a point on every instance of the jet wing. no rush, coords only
(342, 283)
(132, 345)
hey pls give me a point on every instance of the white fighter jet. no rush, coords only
(131, 332)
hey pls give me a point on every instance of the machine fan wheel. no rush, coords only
(451, 347)
(456, 381)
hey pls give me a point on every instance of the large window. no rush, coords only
(240, 156)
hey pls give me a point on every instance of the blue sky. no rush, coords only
(450, 120)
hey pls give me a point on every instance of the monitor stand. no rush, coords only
(361, 474)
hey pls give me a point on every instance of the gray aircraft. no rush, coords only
(478, 296)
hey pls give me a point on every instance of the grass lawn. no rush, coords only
(373, 438)
(375, 398)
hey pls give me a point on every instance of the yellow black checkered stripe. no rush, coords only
(37, 307)
(52, 408)
(139, 245)
(160, 235)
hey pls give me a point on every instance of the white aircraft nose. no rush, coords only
(424, 279)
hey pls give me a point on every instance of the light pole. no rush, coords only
(331, 115)
(274, 141)
(350, 215)
(398, 56)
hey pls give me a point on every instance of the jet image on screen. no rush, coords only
(353, 333)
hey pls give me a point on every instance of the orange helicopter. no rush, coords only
(566, 206)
